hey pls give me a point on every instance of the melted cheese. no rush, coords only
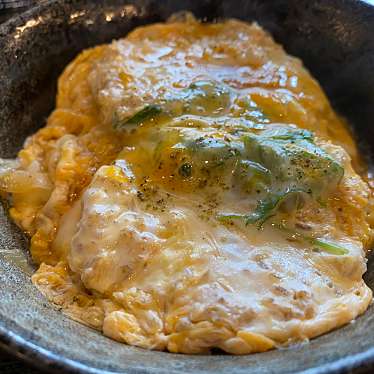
(123, 213)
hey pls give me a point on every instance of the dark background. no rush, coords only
(8, 365)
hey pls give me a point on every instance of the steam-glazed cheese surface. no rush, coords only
(193, 189)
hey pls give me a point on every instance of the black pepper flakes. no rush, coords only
(185, 170)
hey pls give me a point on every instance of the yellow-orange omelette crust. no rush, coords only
(193, 189)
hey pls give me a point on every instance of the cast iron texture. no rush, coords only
(335, 39)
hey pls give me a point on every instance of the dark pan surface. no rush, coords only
(335, 39)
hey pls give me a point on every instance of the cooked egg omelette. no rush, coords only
(193, 189)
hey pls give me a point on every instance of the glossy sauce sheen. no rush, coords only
(124, 214)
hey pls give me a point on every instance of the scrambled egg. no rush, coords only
(193, 189)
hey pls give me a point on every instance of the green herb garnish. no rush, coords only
(144, 114)
(294, 160)
(329, 247)
(319, 243)
(265, 208)
(282, 161)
